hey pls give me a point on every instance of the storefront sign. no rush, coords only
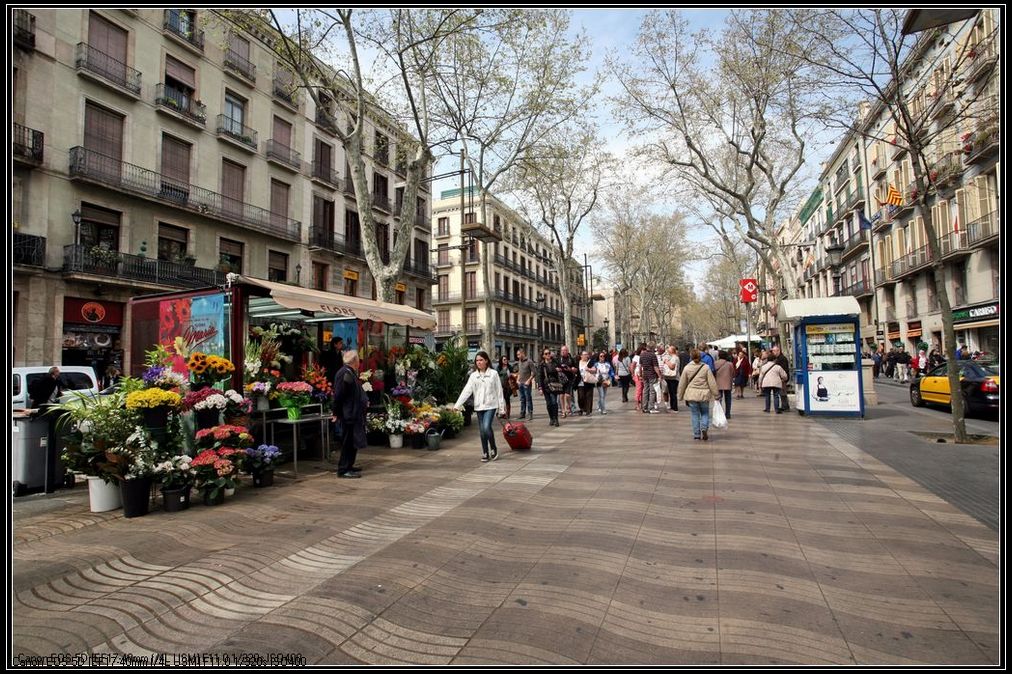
(828, 329)
(830, 391)
(913, 329)
(400, 287)
(351, 275)
(92, 312)
(977, 313)
(415, 339)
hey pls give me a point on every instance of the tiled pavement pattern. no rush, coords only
(617, 540)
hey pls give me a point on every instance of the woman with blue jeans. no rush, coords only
(605, 378)
(486, 387)
(697, 387)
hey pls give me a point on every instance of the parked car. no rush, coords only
(979, 383)
(72, 378)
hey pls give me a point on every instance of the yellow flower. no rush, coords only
(152, 397)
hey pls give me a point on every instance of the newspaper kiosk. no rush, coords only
(827, 355)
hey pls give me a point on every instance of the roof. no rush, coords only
(791, 310)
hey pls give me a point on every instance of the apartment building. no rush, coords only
(159, 149)
(893, 278)
(523, 281)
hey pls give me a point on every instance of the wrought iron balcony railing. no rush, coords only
(321, 236)
(29, 250)
(97, 168)
(84, 259)
(91, 60)
(285, 91)
(284, 154)
(28, 144)
(180, 23)
(236, 130)
(169, 98)
(240, 65)
(326, 173)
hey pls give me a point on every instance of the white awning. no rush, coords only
(729, 342)
(792, 310)
(323, 304)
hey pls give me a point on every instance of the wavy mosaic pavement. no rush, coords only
(617, 540)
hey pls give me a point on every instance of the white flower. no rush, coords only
(367, 386)
(215, 401)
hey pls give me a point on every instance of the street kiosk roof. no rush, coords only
(324, 305)
(792, 310)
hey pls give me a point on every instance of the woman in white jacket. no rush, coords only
(486, 387)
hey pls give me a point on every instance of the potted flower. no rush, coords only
(237, 408)
(223, 436)
(402, 394)
(176, 475)
(214, 473)
(323, 390)
(451, 420)
(260, 392)
(294, 395)
(260, 462)
(154, 405)
(375, 425)
(163, 377)
(415, 430)
(208, 370)
(395, 429)
(207, 405)
(132, 463)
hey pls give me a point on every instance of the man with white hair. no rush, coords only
(350, 405)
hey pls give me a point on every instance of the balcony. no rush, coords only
(422, 220)
(181, 25)
(180, 104)
(324, 173)
(82, 259)
(282, 155)
(916, 260)
(24, 29)
(381, 202)
(420, 269)
(882, 277)
(953, 244)
(238, 64)
(983, 230)
(450, 330)
(104, 69)
(879, 167)
(455, 298)
(285, 92)
(983, 57)
(856, 243)
(326, 122)
(29, 250)
(349, 187)
(899, 148)
(984, 143)
(28, 146)
(513, 330)
(943, 104)
(324, 238)
(235, 130)
(92, 167)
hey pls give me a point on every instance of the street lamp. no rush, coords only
(540, 300)
(607, 334)
(76, 217)
(298, 274)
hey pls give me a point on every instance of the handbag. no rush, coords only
(590, 376)
(555, 387)
(717, 417)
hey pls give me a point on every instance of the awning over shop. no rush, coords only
(974, 326)
(324, 304)
(729, 342)
(791, 310)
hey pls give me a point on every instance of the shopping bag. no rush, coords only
(717, 417)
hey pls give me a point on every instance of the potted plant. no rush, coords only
(451, 420)
(323, 390)
(375, 425)
(260, 462)
(208, 370)
(394, 427)
(103, 258)
(176, 475)
(223, 436)
(293, 396)
(215, 472)
(415, 430)
(154, 405)
(237, 408)
(132, 464)
(260, 392)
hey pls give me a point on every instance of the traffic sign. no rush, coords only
(749, 290)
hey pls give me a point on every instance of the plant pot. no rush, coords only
(204, 419)
(294, 413)
(263, 478)
(155, 417)
(449, 433)
(376, 438)
(136, 497)
(217, 500)
(103, 495)
(417, 440)
(228, 491)
(238, 421)
(176, 499)
(396, 441)
(263, 404)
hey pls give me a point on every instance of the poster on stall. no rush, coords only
(830, 391)
(346, 330)
(198, 321)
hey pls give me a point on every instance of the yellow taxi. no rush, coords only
(979, 382)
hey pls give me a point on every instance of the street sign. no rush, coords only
(749, 290)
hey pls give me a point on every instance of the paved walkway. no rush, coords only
(617, 540)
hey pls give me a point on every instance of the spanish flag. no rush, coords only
(894, 198)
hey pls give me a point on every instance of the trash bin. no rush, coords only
(29, 446)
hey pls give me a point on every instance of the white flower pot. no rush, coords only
(103, 496)
(229, 491)
(397, 441)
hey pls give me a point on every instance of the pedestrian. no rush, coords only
(638, 379)
(525, 383)
(742, 371)
(705, 357)
(650, 373)
(350, 406)
(683, 358)
(605, 378)
(890, 360)
(332, 360)
(670, 367)
(922, 362)
(587, 384)
(759, 357)
(903, 365)
(935, 359)
(45, 389)
(786, 366)
(876, 359)
(111, 377)
(624, 370)
(697, 387)
(569, 367)
(551, 379)
(486, 387)
(723, 372)
(773, 377)
(507, 380)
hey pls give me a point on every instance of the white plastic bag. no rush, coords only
(717, 418)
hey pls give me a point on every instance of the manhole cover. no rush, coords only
(950, 438)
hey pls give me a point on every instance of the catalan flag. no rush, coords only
(894, 198)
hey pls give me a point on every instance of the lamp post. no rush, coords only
(541, 307)
(298, 274)
(607, 333)
(76, 217)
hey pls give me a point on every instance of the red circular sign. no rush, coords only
(93, 312)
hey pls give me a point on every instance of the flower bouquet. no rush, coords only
(294, 395)
(223, 436)
(163, 377)
(237, 408)
(402, 394)
(175, 473)
(215, 472)
(209, 370)
(133, 465)
(323, 390)
(151, 398)
(260, 462)
(451, 419)
(191, 399)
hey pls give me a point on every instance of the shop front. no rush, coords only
(92, 334)
(977, 327)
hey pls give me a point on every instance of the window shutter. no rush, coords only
(103, 131)
(175, 159)
(107, 38)
(178, 70)
(282, 132)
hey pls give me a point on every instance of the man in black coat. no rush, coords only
(786, 364)
(350, 406)
(332, 360)
(43, 389)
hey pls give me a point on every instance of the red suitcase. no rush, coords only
(517, 435)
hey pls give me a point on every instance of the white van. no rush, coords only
(72, 378)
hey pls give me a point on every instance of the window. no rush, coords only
(498, 316)
(321, 273)
(323, 221)
(99, 227)
(237, 56)
(959, 284)
(352, 231)
(399, 296)
(443, 227)
(383, 241)
(498, 282)
(323, 165)
(180, 84)
(351, 286)
(172, 242)
(421, 255)
(444, 287)
(175, 169)
(470, 285)
(231, 253)
(471, 319)
(469, 218)
(107, 49)
(380, 185)
(235, 115)
(382, 153)
(277, 266)
(233, 187)
(282, 133)
(443, 320)
(443, 255)
(279, 203)
(420, 298)
(103, 136)
(472, 251)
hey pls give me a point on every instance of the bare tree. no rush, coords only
(872, 60)
(556, 186)
(411, 40)
(502, 90)
(734, 134)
